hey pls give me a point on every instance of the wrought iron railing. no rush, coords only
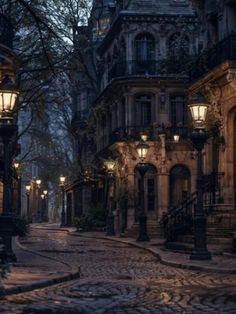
(163, 68)
(221, 52)
(179, 219)
(133, 133)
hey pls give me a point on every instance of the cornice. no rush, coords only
(135, 17)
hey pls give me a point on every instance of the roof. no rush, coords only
(166, 7)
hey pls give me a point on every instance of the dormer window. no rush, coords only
(101, 28)
(144, 47)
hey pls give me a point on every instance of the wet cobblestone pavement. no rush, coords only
(117, 278)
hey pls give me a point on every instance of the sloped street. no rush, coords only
(117, 278)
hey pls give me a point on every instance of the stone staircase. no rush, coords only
(221, 224)
(153, 230)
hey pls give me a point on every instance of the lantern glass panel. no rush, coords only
(7, 101)
(198, 112)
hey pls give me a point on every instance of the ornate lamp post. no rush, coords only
(27, 189)
(142, 149)
(45, 209)
(63, 214)
(17, 165)
(38, 186)
(110, 168)
(8, 128)
(199, 137)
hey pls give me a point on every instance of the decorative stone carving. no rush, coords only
(213, 94)
(231, 78)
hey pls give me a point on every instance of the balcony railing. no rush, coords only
(178, 220)
(162, 68)
(133, 133)
(224, 50)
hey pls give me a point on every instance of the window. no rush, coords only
(178, 110)
(101, 27)
(143, 110)
(144, 47)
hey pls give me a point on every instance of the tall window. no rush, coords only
(143, 110)
(178, 110)
(144, 47)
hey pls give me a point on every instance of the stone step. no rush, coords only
(188, 239)
(153, 230)
(187, 248)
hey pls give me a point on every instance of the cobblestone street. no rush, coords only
(118, 278)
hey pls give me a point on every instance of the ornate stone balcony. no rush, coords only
(165, 69)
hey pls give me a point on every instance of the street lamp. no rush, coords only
(39, 215)
(38, 182)
(110, 165)
(142, 149)
(27, 189)
(44, 205)
(176, 138)
(17, 165)
(8, 128)
(199, 137)
(63, 214)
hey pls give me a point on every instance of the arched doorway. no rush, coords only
(179, 184)
(234, 157)
(150, 191)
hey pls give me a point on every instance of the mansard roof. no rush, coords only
(163, 7)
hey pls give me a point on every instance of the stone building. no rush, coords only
(213, 74)
(142, 49)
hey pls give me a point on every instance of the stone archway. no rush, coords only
(228, 159)
(234, 157)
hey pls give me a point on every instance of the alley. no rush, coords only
(117, 278)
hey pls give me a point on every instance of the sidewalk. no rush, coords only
(34, 270)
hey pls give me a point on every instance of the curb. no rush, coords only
(156, 254)
(167, 262)
(43, 283)
(40, 284)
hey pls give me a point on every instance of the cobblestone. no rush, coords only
(117, 278)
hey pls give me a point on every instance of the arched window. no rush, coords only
(178, 110)
(144, 47)
(179, 184)
(143, 110)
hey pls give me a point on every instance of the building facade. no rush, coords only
(213, 74)
(142, 49)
